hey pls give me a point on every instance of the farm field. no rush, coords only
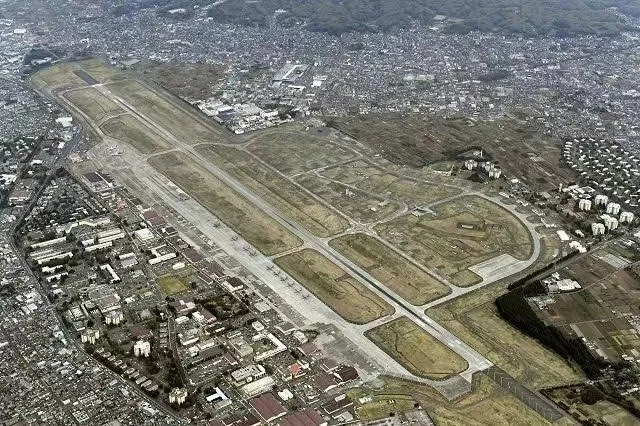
(410, 282)
(301, 152)
(254, 225)
(278, 191)
(464, 232)
(416, 350)
(333, 286)
(358, 205)
(127, 128)
(93, 103)
(184, 124)
(369, 178)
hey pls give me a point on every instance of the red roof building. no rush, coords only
(307, 417)
(268, 407)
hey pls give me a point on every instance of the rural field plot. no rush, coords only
(410, 282)
(293, 153)
(358, 205)
(278, 191)
(464, 232)
(370, 178)
(416, 350)
(127, 128)
(93, 103)
(333, 286)
(255, 226)
(182, 124)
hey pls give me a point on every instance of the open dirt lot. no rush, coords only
(329, 283)
(256, 227)
(464, 232)
(172, 284)
(278, 191)
(358, 205)
(293, 152)
(184, 121)
(391, 269)
(93, 103)
(416, 140)
(127, 128)
(370, 178)
(416, 350)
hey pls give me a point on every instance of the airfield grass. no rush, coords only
(416, 350)
(289, 198)
(373, 179)
(294, 152)
(128, 129)
(358, 205)
(166, 111)
(474, 319)
(61, 76)
(444, 243)
(410, 282)
(93, 103)
(487, 404)
(382, 405)
(255, 226)
(333, 286)
(171, 284)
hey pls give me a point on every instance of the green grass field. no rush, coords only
(171, 284)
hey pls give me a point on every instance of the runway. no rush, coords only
(311, 307)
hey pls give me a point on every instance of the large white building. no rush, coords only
(613, 208)
(610, 222)
(626, 217)
(601, 200)
(177, 396)
(584, 204)
(142, 348)
(597, 228)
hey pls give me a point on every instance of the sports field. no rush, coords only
(418, 351)
(410, 282)
(280, 192)
(464, 232)
(254, 225)
(171, 284)
(329, 283)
